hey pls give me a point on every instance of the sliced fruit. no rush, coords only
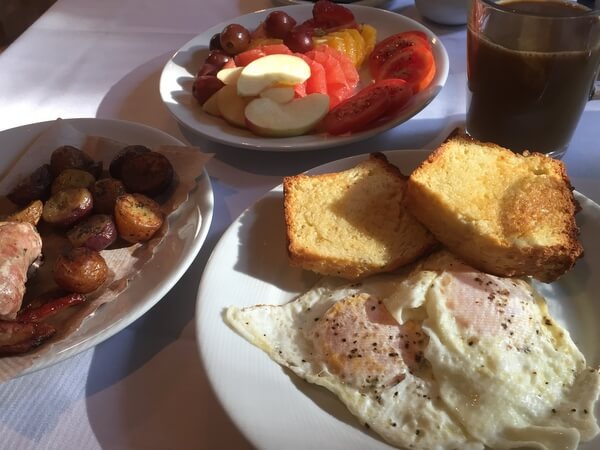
(245, 58)
(229, 76)
(211, 106)
(369, 34)
(266, 117)
(337, 85)
(386, 48)
(317, 83)
(350, 72)
(367, 107)
(231, 105)
(272, 70)
(279, 94)
(411, 64)
(331, 16)
(276, 49)
(257, 43)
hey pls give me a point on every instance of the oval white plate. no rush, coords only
(188, 227)
(273, 407)
(178, 74)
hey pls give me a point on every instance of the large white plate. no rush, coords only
(273, 407)
(188, 227)
(177, 77)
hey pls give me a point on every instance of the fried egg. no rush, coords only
(426, 361)
(511, 375)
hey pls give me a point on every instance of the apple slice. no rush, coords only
(269, 71)
(266, 117)
(231, 105)
(279, 94)
(230, 75)
(211, 106)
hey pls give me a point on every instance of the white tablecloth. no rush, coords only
(145, 387)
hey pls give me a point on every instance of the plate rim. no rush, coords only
(203, 188)
(321, 141)
(243, 426)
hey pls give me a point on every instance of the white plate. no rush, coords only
(188, 227)
(273, 407)
(178, 74)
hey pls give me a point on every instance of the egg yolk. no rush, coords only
(359, 341)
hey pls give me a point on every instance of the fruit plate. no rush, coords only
(276, 409)
(178, 75)
(188, 228)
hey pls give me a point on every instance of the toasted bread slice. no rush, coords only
(504, 213)
(352, 224)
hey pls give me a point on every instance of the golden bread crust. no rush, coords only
(503, 213)
(352, 224)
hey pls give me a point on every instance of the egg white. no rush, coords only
(409, 414)
(499, 372)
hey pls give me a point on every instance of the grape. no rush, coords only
(217, 58)
(278, 24)
(299, 40)
(235, 39)
(204, 86)
(208, 69)
(215, 42)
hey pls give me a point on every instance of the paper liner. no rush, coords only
(125, 262)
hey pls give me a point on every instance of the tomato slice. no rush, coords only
(331, 16)
(386, 48)
(367, 107)
(411, 64)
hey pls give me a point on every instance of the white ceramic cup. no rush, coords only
(445, 12)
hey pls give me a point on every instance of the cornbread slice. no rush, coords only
(503, 213)
(352, 224)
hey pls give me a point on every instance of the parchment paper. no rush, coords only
(124, 260)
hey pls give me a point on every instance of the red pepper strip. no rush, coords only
(34, 313)
(17, 337)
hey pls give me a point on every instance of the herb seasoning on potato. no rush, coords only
(137, 217)
(82, 270)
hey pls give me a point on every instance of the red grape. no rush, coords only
(208, 69)
(278, 24)
(217, 58)
(215, 42)
(235, 39)
(205, 86)
(299, 40)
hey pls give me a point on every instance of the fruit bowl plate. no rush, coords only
(178, 75)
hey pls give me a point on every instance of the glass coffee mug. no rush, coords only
(531, 68)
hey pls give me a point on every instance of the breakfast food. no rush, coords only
(504, 213)
(352, 223)
(65, 199)
(310, 62)
(20, 246)
(445, 357)
(81, 270)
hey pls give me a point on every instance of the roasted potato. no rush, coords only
(67, 207)
(105, 193)
(96, 232)
(36, 186)
(72, 178)
(69, 157)
(117, 163)
(147, 173)
(30, 214)
(82, 270)
(137, 217)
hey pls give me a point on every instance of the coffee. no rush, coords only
(529, 78)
